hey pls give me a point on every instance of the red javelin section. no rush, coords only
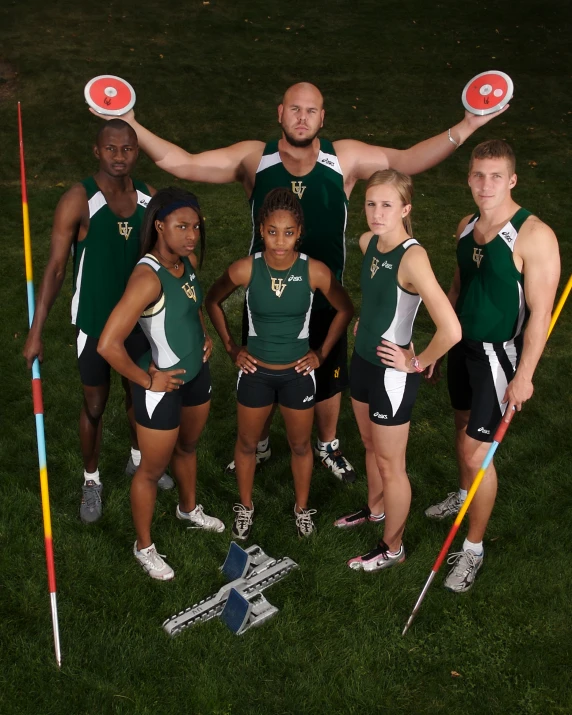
(37, 396)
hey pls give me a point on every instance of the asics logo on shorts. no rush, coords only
(309, 398)
(483, 430)
(380, 416)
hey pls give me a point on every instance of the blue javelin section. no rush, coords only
(31, 302)
(490, 454)
(41, 439)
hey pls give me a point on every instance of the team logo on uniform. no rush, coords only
(337, 373)
(298, 189)
(374, 266)
(190, 291)
(278, 286)
(478, 256)
(124, 229)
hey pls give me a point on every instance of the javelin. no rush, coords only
(39, 407)
(497, 439)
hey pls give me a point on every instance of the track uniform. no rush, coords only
(388, 312)
(278, 307)
(324, 202)
(103, 263)
(175, 333)
(492, 311)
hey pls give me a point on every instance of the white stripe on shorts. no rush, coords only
(81, 341)
(152, 399)
(497, 372)
(394, 381)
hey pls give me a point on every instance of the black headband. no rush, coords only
(181, 203)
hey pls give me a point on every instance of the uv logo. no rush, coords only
(190, 291)
(374, 266)
(124, 229)
(298, 189)
(278, 286)
(478, 256)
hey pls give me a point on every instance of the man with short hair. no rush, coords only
(503, 290)
(322, 174)
(98, 220)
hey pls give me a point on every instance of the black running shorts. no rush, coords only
(332, 375)
(93, 369)
(286, 387)
(389, 393)
(162, 410)
(477, 377)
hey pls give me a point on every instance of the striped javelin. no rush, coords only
(39, 406)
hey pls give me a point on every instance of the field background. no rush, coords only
(208, 74)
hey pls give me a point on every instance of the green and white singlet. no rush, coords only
(172, 324)
(387, 310)
(491, 306)
(105, 258)
(324, 202)
(278, 306)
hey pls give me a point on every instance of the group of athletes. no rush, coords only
(138, 308)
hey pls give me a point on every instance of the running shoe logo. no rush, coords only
(483, 430)
(294, 278)
(385, 264)
(380, 416)
(309, 398)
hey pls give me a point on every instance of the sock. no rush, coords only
(136, 456)
(396, 553)
(475, 548)
(187, 513)
(462, 495)
(262, 446)
(377, 517)
(94, 477)
(323, 445)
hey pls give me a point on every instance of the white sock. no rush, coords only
(262, 446)
(462, 495)
(136, 456)
(396, 553)
(377, 517)
(475, 548)
(93, 477)
(323, 445)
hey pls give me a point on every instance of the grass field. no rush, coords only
(209, 74)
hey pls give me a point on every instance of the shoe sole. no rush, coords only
(371, 568)
(340, 524)
(155, 578)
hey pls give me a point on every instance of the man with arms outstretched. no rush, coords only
(98, 220)
(322, 174)
(507, 273)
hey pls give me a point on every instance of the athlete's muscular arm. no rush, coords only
(237, 274)
(416, 275)
(70, 211)
(143, 288)
(322, 278)
(538, 248)
(359, 160)
(237, 162)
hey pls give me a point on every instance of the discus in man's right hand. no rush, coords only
(488, 92)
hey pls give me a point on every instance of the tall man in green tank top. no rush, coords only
(98, 221)
(507, 273)
(322, 174)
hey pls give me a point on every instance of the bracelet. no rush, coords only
(457, 144)
(415, 366)
(151, 383)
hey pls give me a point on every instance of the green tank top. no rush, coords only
(387, 310)
(172, 324)
(278, 306)
(104, 260)
(324, 202)
(491, 306)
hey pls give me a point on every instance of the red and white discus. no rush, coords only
(488, 92)
(109, 95)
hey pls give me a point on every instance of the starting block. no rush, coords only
(239, 603)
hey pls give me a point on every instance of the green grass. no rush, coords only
(208, 75)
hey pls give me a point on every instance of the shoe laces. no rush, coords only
(90, 495)
(452, 498)
(243, 516)
(469, 563)
(304, 519)
(155, 559)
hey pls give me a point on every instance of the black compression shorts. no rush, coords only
(286, 387)
(93, 369)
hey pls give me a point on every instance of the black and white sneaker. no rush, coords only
(462, 576)
(333, 459)
(304, 523)
(242, 521)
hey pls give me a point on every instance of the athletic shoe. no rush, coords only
(261, 457)
(166, 482)
(357, 518)
(242, 522)
(153, 563)
(200, 520)
(377, 559)
(91, 508)
(304, 523)
(333, 459)
(448, 507)
(462, 576)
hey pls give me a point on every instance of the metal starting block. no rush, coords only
(239, 603)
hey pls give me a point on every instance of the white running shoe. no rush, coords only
(462, 576)
(333, 459)
(200, 520)
(153, 563)
(261, 457)
(304, 523)
(450, 506)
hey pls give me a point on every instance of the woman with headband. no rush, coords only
(171, 384)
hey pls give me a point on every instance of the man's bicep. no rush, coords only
(541, 267)
(67, 220)
(220, 166)
(359, 160)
